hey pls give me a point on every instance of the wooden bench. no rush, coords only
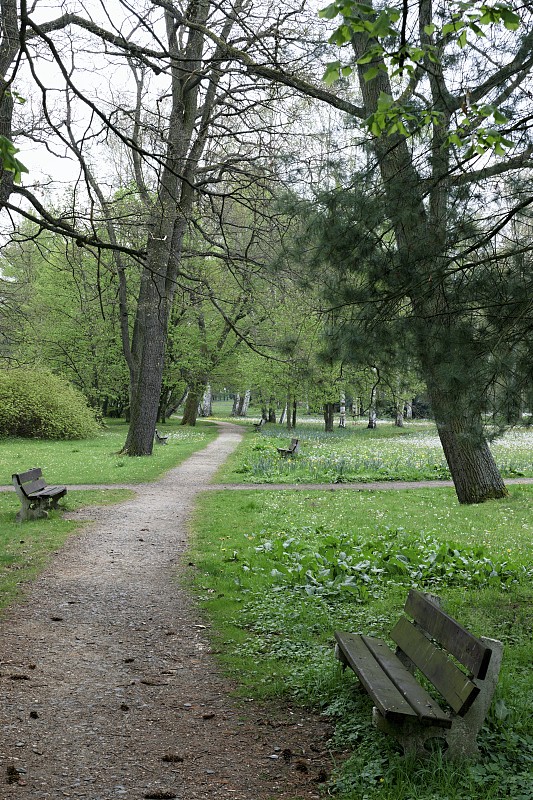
(159, 438)
(291, 450)
(259, 425)
(35, 495)
(402, 707)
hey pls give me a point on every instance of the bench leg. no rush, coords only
(30, 511)
(412, 736)
(459, 741)
(462, 735)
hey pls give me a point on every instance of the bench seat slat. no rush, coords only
(425, 707)
(466, 648)
(49, 491)
(379, 686)
(33, 487)
(458, 690)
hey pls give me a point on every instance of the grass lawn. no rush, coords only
(356, 453)
(277, 572)
(98, 460)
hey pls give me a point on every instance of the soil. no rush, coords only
(108, 685)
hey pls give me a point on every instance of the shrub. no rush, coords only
(37, 404)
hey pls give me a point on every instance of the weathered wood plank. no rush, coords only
(465, 647)
(379, 686)
(425, 707)
(458, 690)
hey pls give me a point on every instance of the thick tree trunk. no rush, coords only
(190, 409)
(418, 209)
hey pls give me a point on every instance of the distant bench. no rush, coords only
(291, 450)
(160, 438)
(259, 425)
(35, 495)
(402, 707)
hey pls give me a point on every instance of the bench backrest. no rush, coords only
(294, 445)
(415, 641)
(30, 481)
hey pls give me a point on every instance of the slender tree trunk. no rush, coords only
(289, 417)
(398, 421)
(294, 412)
(236, 403)
(282, 415)
(409, 409)
(342, 418)
(329, 417)
(206, 406)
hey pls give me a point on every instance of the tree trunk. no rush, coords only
(372, 409)
(206, 406)
(243, 404)
(409, 409)
(294, 412)
(289, 417)
(236, 403)
(342, 418)
(418, 208)
(329, 417)
(399, 414)
(190, 409)
(282, 415)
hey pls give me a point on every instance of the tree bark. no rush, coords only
(190, 409)
(420, 230)
(329, 416)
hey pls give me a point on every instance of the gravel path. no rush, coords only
(107, 685)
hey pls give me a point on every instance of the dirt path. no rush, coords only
(107, 686)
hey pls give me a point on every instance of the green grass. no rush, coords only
(355, 453)
(25, 549)
(97, 460)
(277, 572)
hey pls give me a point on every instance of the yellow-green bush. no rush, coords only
(34, 403)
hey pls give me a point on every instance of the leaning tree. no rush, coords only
(445, 118)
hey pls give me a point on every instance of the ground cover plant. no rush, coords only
(97, 460)
(355, 453)
(25, 549)
(277, 572)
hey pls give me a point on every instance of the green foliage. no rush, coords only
(277, 641)
(38, 404)
(322, 562)
(389, 53)
(9, 161)
(354, 454)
